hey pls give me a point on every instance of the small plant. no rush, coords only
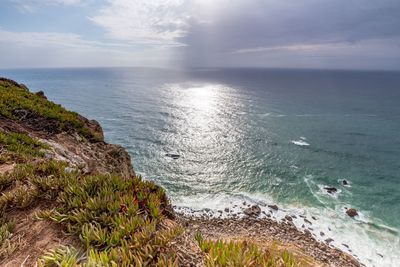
(19, 147)
(6, 228)
(62, 256)
(241, 253)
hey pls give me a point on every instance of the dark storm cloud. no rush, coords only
(237, 27)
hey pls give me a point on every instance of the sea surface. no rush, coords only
(256, 136)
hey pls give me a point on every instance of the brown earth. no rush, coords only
(33, 237)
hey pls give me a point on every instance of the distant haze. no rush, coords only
(326, 34)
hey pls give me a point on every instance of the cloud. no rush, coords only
(31, 6)
(240, 31)
(262, 33)
(222, 31)
(295, 47)
(48, 49)
(152, 22)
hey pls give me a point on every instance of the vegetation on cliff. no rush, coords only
(17, 103)
(19, 147)
(117, 220)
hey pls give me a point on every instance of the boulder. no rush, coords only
(329, 240)
(253, 211)
(274, 207)
(41, 94)
(288, 218)
(352, 212)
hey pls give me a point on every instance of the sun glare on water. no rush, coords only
(199, 114)
(202, 98)
(199, 101)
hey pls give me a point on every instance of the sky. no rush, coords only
(317, 34)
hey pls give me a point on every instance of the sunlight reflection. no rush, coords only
(199, 102)
(200, 107)
(202, 98)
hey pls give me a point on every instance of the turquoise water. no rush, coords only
(260, 136)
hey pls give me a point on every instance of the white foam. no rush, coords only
(300, 142)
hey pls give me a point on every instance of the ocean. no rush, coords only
(216, 138)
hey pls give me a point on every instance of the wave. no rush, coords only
(300, 142)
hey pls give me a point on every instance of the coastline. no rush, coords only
(270, 233)
(80, 146)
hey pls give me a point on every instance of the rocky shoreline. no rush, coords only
(269, 232)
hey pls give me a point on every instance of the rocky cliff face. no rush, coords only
(91, 155)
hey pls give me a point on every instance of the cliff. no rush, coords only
(68, 198)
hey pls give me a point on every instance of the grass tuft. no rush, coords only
(241, 253)
(6, 228)
(61, 256)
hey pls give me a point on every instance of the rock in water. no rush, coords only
(344, 182)
(330, 190)
(174, 156)
(288, 218)
(252, 211)
(329, 240)
(274, 207)
(352, 212)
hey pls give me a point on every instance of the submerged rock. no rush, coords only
(352, 212)
(330, 190)
(307, 221)
(173, 156)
